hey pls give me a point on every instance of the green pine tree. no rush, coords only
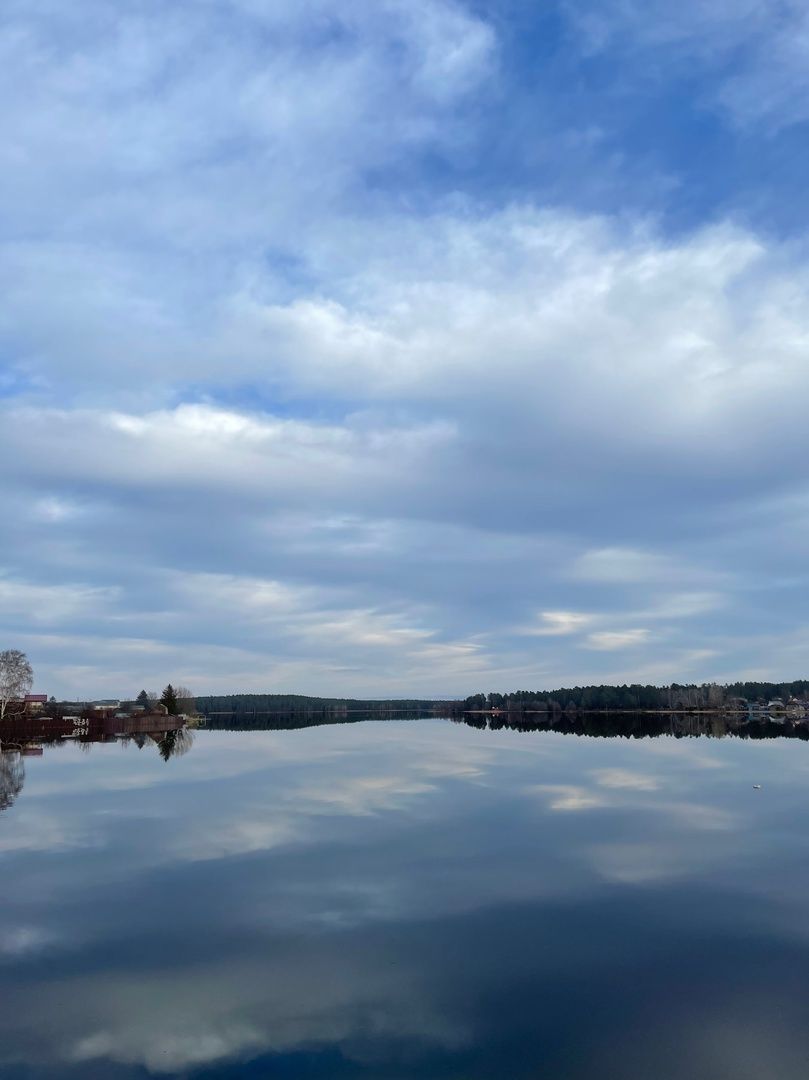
(169, 699)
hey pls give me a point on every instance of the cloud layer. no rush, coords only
(305, 386)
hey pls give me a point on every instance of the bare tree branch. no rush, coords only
(16, 678)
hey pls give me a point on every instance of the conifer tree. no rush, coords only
(169, 699)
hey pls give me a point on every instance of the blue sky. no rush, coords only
(403, 347)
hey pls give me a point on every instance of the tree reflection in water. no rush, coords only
(175, 743)
(12, 777)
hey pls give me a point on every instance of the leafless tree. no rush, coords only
(16, 678)
(12, 776)
(185, 701)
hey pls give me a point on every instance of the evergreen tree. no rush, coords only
(143, 699)
(169, 699)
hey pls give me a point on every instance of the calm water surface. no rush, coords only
(407, 900)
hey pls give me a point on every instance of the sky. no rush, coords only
(403, 347)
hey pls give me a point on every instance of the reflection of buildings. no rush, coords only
(27, 736)
(96, 725)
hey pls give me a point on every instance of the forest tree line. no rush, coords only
(243, 706)
(636, 696)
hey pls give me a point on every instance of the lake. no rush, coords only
(405, 899)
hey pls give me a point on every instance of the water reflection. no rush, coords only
(175, 743)
(12, 777)
(30, 736)
(400, 900)
(645, 725)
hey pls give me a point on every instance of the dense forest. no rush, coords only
(636, 696)
(263, 710)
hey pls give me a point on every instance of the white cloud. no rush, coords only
(626, 780)
(422, 447)
(364, 795)
(152, 116)
(207, 447)
(52, 603)
(569, 797)
(626, 566)
(54, 509)
(684, 605)
(560, 623)
(608, 640)
(364, 425)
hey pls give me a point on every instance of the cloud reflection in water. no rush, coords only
(404, 899)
